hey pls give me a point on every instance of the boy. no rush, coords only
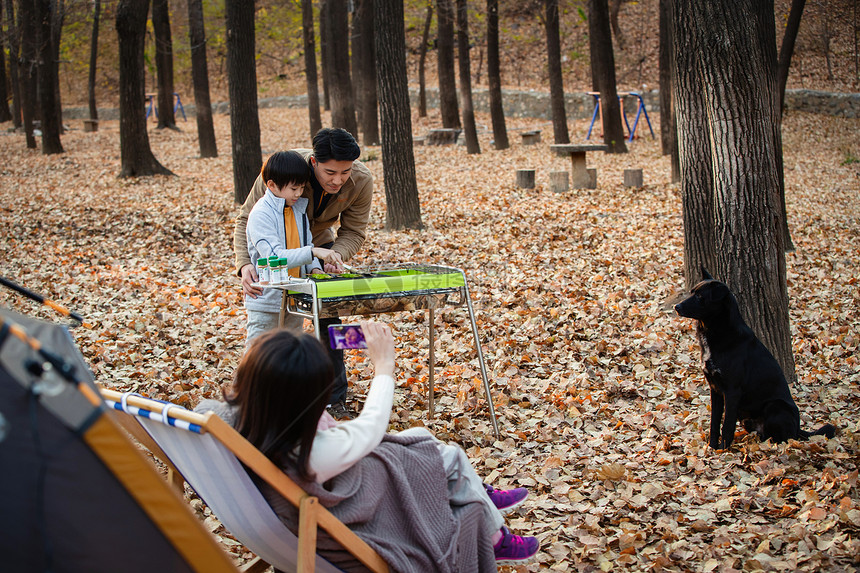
(278, 226)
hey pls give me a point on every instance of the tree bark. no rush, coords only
(14, 36)
(94, 52)
(398, 161)
(340, 85)
(48, 81)
(494, 77)
(135, 154)
(28, 69)
(471, 130)
(366, 71)
(603, 64)
(556, 85)
(200, 80)
(445, 65)
(726, 51)
(668, 135)
(242, 85)
(314, 116)
(163, 63)
(422, 58)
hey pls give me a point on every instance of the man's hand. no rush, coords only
(332, 259)
(249, 275)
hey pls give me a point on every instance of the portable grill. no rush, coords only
(400, 288)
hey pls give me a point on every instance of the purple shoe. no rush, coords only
(515, 548)
(506, 500)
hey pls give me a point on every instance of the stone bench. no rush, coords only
(531, 137)
(443, 136)
(581, 176)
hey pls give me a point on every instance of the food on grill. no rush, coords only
(319, 276)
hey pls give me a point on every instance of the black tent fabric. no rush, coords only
(65, 507)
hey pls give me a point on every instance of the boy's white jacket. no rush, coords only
(267, 238)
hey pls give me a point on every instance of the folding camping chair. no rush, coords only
(209, 454)
(76, 494)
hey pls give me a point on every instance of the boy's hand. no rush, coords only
(332, 259)
(380, 346)
(249, 275)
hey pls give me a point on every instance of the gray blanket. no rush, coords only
(396, 500)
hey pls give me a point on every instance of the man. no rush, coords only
(340, 189)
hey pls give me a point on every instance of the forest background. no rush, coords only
(602, 406)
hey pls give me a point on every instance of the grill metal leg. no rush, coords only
(432, 361)
(481, 362)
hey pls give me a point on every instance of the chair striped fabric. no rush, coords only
(209, 454)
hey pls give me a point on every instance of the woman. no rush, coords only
(417, 501)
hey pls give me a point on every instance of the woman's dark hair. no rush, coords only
(281, 387)
(335, 143)
(286, 167)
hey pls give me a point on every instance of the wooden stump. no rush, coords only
(559, 181)
(531, 137)
(91, 125)
(442, 136)
(633, 178)
(526, 178)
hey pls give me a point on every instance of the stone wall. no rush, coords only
(536, 104)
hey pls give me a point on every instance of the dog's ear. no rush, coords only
(706, 276)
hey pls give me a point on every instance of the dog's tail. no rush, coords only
(826, 430)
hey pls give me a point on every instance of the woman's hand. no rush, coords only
(380, 347)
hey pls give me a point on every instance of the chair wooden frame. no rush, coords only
(311, 513)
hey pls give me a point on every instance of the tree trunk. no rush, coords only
(163, 63)
(366, 68)
(726, 51)
(603, 63)
(57, 11)
(242, 85)
(556, 85)
(398, 161)
(340, 85)
(94, 52)
(494, 77)
(783, 66)
(787, 48)
(27, 69)
(14, 36)
(48, 81)
(325, 43)
(135, 154)
(311, 66)
(422, 58)
(445, 65)
(614, 9)
(469, 126)
(355, 56)
(200, 79)
(5, 114)
(668, 138)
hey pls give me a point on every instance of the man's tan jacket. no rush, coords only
(351, 205)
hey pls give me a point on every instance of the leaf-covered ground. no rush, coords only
(602, 407)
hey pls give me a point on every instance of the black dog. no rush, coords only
(746, 381)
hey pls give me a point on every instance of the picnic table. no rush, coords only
(580, 178)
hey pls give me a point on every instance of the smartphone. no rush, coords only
(342, 336)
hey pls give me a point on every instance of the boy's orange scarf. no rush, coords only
(292, 233)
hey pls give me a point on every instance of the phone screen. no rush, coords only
(343, 336)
